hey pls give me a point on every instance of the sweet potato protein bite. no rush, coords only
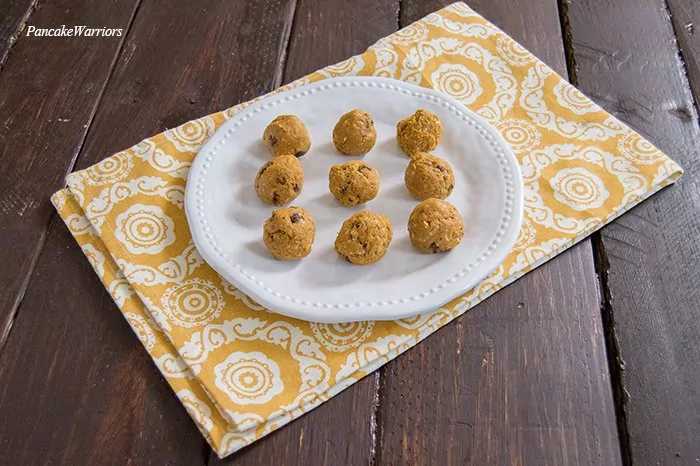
(287, 135)
(289, 233)
(354, 134)
(429, 176)
(419, 133)
(280, 180)
(364, 238)
(353, 183)
(435, 226)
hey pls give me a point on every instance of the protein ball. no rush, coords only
(364, 238)
(435, 226)
(419, 133)
(280, 180)
(287, 135)
(354, 134)
(289, 233)
(429, 176)
(353, 183)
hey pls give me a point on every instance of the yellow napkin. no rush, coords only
(242, 371)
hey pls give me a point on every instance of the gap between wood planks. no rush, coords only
(208, 453)
(615, 362)
(689, 70)
(6, 327)
(289, 71)
(284, 46)
(377, 425)
(377, 422)
(689, 66)
(15, 35)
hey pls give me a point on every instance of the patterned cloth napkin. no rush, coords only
(242, 371)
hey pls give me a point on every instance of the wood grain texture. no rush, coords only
(174, 69)
(627, 60)
(14, 14)
(340, 431)
(326, 32)
(49, 89)
(78, 387)
(685, 15)
(518, 380)
(522, 378)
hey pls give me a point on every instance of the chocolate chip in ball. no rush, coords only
(265, 167)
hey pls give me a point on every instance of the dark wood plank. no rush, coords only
(326, 32)
(626, 58)
(522, 378)
(49, 89)
(14, 14)
(340, 431)
(179, 71)
(77, 386)
(686, 22)
(75, 380)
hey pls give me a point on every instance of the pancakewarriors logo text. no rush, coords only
(74, 31)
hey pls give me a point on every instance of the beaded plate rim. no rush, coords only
(206, 243)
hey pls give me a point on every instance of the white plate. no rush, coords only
(226, 216)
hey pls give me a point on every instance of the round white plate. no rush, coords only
(226, 217)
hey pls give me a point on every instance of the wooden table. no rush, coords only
(591, 359)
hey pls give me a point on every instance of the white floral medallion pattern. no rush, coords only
(520, 135)
(111, 169)
(192, 303)
(145, 229)
(526, 236)
(513, 53)
(579, 189)
(97, 209)
(458, 81)
(165, 163)
(471, 30)
(533, 101)
(571, 193)
(349, 67)
(637, 149)
(192, 135)
(249, 378)
(342, 336)
(572, 99)
(535, 254)
(485, 64)
(96, 258)
(411, 34)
